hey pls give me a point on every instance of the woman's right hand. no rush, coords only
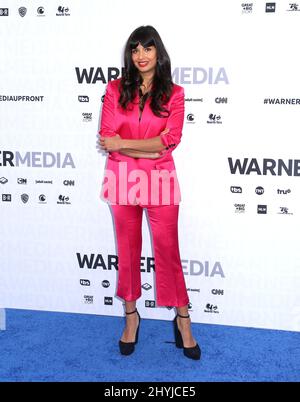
(138, 154)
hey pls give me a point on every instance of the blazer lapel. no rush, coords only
(145, 121)
(139, 128)
(133, 118)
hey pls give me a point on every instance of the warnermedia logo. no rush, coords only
(36, 159)
(108, 301)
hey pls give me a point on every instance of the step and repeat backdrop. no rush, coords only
(238, 163)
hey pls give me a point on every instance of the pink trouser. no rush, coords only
(170, 284)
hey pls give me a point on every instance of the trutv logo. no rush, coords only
(36, 159)
(190, 267)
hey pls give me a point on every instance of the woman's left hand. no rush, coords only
(111, 144)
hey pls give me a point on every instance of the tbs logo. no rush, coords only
(236, 189)
(259, 190)
(85, 282)
(83, 98)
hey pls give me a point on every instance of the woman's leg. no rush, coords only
(128, 226)
(170, 283)
(184, 326)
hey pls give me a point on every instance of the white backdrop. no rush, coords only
(57, 241)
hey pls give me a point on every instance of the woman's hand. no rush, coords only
(138, 154)
(165, 131)
(111, 144)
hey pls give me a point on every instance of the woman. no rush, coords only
(141, 125)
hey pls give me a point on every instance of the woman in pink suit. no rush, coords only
(141, 125)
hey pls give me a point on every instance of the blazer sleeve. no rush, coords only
(107, 126)
(174, 123)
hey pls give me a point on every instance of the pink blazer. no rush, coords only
(141, 181)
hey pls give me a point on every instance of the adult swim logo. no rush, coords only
(180, 75)
(265, 167)
(36, 159)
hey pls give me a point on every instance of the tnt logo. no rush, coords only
(259, 190)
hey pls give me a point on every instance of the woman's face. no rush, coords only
(144, 58)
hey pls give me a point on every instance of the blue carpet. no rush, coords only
(49, 346)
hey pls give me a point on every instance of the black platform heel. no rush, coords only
(192, 353)
(126, 348)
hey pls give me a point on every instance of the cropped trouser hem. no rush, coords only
(169, 278)
(161, 303)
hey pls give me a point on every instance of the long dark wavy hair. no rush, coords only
(131, 80)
